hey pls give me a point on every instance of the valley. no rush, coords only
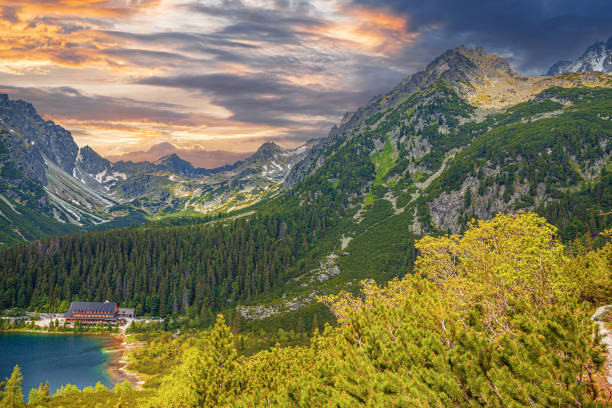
(420, 159)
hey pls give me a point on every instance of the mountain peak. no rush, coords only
(597, 57)
(460, 68)
(87, 149)
(266, 151)
(50, 139)
(163, 147)
(171, 158)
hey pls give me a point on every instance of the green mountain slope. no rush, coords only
(442, 147)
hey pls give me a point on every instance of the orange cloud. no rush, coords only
(369, 30)
(122, 41)
(80, 8)
(67, 33)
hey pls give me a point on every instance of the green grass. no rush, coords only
(383, 161)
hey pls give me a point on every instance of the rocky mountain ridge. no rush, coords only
(485, 81)
(597, 57)
(77, 187)
(394, 151)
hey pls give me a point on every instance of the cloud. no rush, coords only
(238, 72)
(65, 103)
(263, 99)
(532, 34)
(9, 13)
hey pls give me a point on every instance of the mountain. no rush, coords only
(51, 140)
(480, 83)
(197, 157)
(45, 173)
(598, 57)
(467, 137)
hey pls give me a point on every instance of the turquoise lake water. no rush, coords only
(60, 359)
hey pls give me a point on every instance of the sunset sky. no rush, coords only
(123, 75)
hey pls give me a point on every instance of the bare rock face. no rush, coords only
(91, 162)
(51, 140)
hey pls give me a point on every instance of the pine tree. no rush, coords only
(39, 396)
(204, 378)
(12, 395)
(315, 323)
(236, 322)
(300, 325)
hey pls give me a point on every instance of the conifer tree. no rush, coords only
(12, 394)
(205, 378)
(39, 396)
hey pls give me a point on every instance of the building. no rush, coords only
(93, 313)
(126, 313)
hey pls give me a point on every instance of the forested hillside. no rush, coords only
(161, 270)
(497, 316)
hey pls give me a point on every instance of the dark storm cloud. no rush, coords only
(69, 103)
(263, 99)
(534, 33)
(283, 15)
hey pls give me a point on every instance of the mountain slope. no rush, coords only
(466, 137)
(598, 57)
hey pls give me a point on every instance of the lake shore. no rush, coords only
(117, 367)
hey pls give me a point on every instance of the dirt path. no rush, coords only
(450, 155)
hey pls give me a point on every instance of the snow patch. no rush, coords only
(100, 176)
(7, 202)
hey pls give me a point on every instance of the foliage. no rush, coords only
(489, 319)
(203, 379)
(159, 271)
(11, 394)
(40, 395)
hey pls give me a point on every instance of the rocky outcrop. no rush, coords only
(91, 162)
(50, 139)
(175, 165)
(606, 338)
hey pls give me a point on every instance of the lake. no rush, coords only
(60, 359)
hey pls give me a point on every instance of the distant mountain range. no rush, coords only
(197, 157)
(598, 57)
(48, 185)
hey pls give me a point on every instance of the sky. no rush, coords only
(124, 75)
